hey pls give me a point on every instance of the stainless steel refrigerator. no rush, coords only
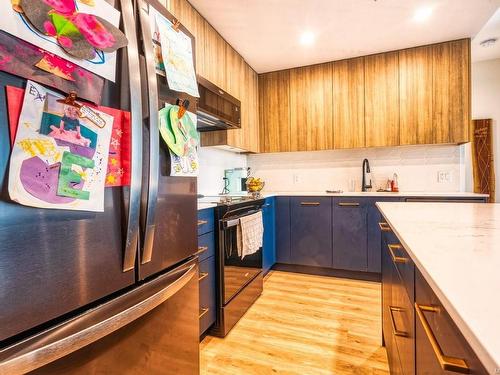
(113, 292)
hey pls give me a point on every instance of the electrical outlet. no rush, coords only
(296, 178)
(444, 177)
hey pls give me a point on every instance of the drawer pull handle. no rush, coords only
(203, 275)
(348, 204)
(201, 249)
(309, 203)
(202, 222)
(203, 312)
(447, 363)
(384, 227)
(395, 258)
(396, 332)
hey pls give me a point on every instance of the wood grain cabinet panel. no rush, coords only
(451, 91)
(215, 57)
(274, 111)
(349, 103)
(382, 100)
(311, 108)
(415, 93)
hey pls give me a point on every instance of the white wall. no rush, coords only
(213, 162)
(486, 104)
(417, 168)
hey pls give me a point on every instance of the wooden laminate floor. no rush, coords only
(303, 324)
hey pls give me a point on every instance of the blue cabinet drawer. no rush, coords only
(403, 263)
(206, 245)
(205, 221)
(207, 293)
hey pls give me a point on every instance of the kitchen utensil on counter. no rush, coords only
(394, 183)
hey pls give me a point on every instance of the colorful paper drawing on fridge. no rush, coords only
(182, 139)
(81, 41)
(59, 159)
(173, 54)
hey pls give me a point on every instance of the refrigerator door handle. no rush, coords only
(134, 204)
(154, 137)
(93, 325)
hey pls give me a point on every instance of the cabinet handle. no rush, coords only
(348, 204)
(396, 332)
(309, 203)
(202, 222)
(447, 363)
(203, 275)
(201, 249)
(395, 258)
(384, 227)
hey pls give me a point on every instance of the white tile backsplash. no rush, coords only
(417, 168)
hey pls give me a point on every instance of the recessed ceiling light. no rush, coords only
(488, 42)
(307, 38)
(423, 14)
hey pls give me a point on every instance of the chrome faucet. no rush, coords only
(366, 169)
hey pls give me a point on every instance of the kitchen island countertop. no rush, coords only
(456, 247)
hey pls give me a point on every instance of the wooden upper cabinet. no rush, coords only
(215, 57)
(415, 94)
(382, 100)
(311, 108)
(235, 72)
(451, 91)
(349, 103)
(274, 111)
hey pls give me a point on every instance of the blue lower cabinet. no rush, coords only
(282, 229)
(206, 254)
(207, 293)
(269, 240)
(311, 231)
(350, 234)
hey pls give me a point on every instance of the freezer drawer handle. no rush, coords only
(203, 312)
(447, 363)
(396, 332)
(154, 137)
(134, 203)
(73, 335)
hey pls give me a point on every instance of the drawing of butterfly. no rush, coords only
(79, 34)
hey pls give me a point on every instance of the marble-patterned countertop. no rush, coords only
(456, 247)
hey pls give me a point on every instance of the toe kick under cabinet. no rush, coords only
(206, 254)
(418, 333)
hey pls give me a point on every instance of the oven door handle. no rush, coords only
(228, 223)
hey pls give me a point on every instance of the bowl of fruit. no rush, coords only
(255, 185)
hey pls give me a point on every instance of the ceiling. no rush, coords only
(267, 32)
(489, 31)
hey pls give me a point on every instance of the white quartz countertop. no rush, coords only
(456, 247)
(376, 194)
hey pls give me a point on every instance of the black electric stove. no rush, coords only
(239, 279)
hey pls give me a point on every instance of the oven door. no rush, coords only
(237, 271)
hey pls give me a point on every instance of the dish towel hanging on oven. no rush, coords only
(249, 234)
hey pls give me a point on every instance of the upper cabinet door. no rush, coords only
(349, 103)
(311, 108)
(415, 92)
(451, 91)
(215, 56)
(274, 111)
(382, 100)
